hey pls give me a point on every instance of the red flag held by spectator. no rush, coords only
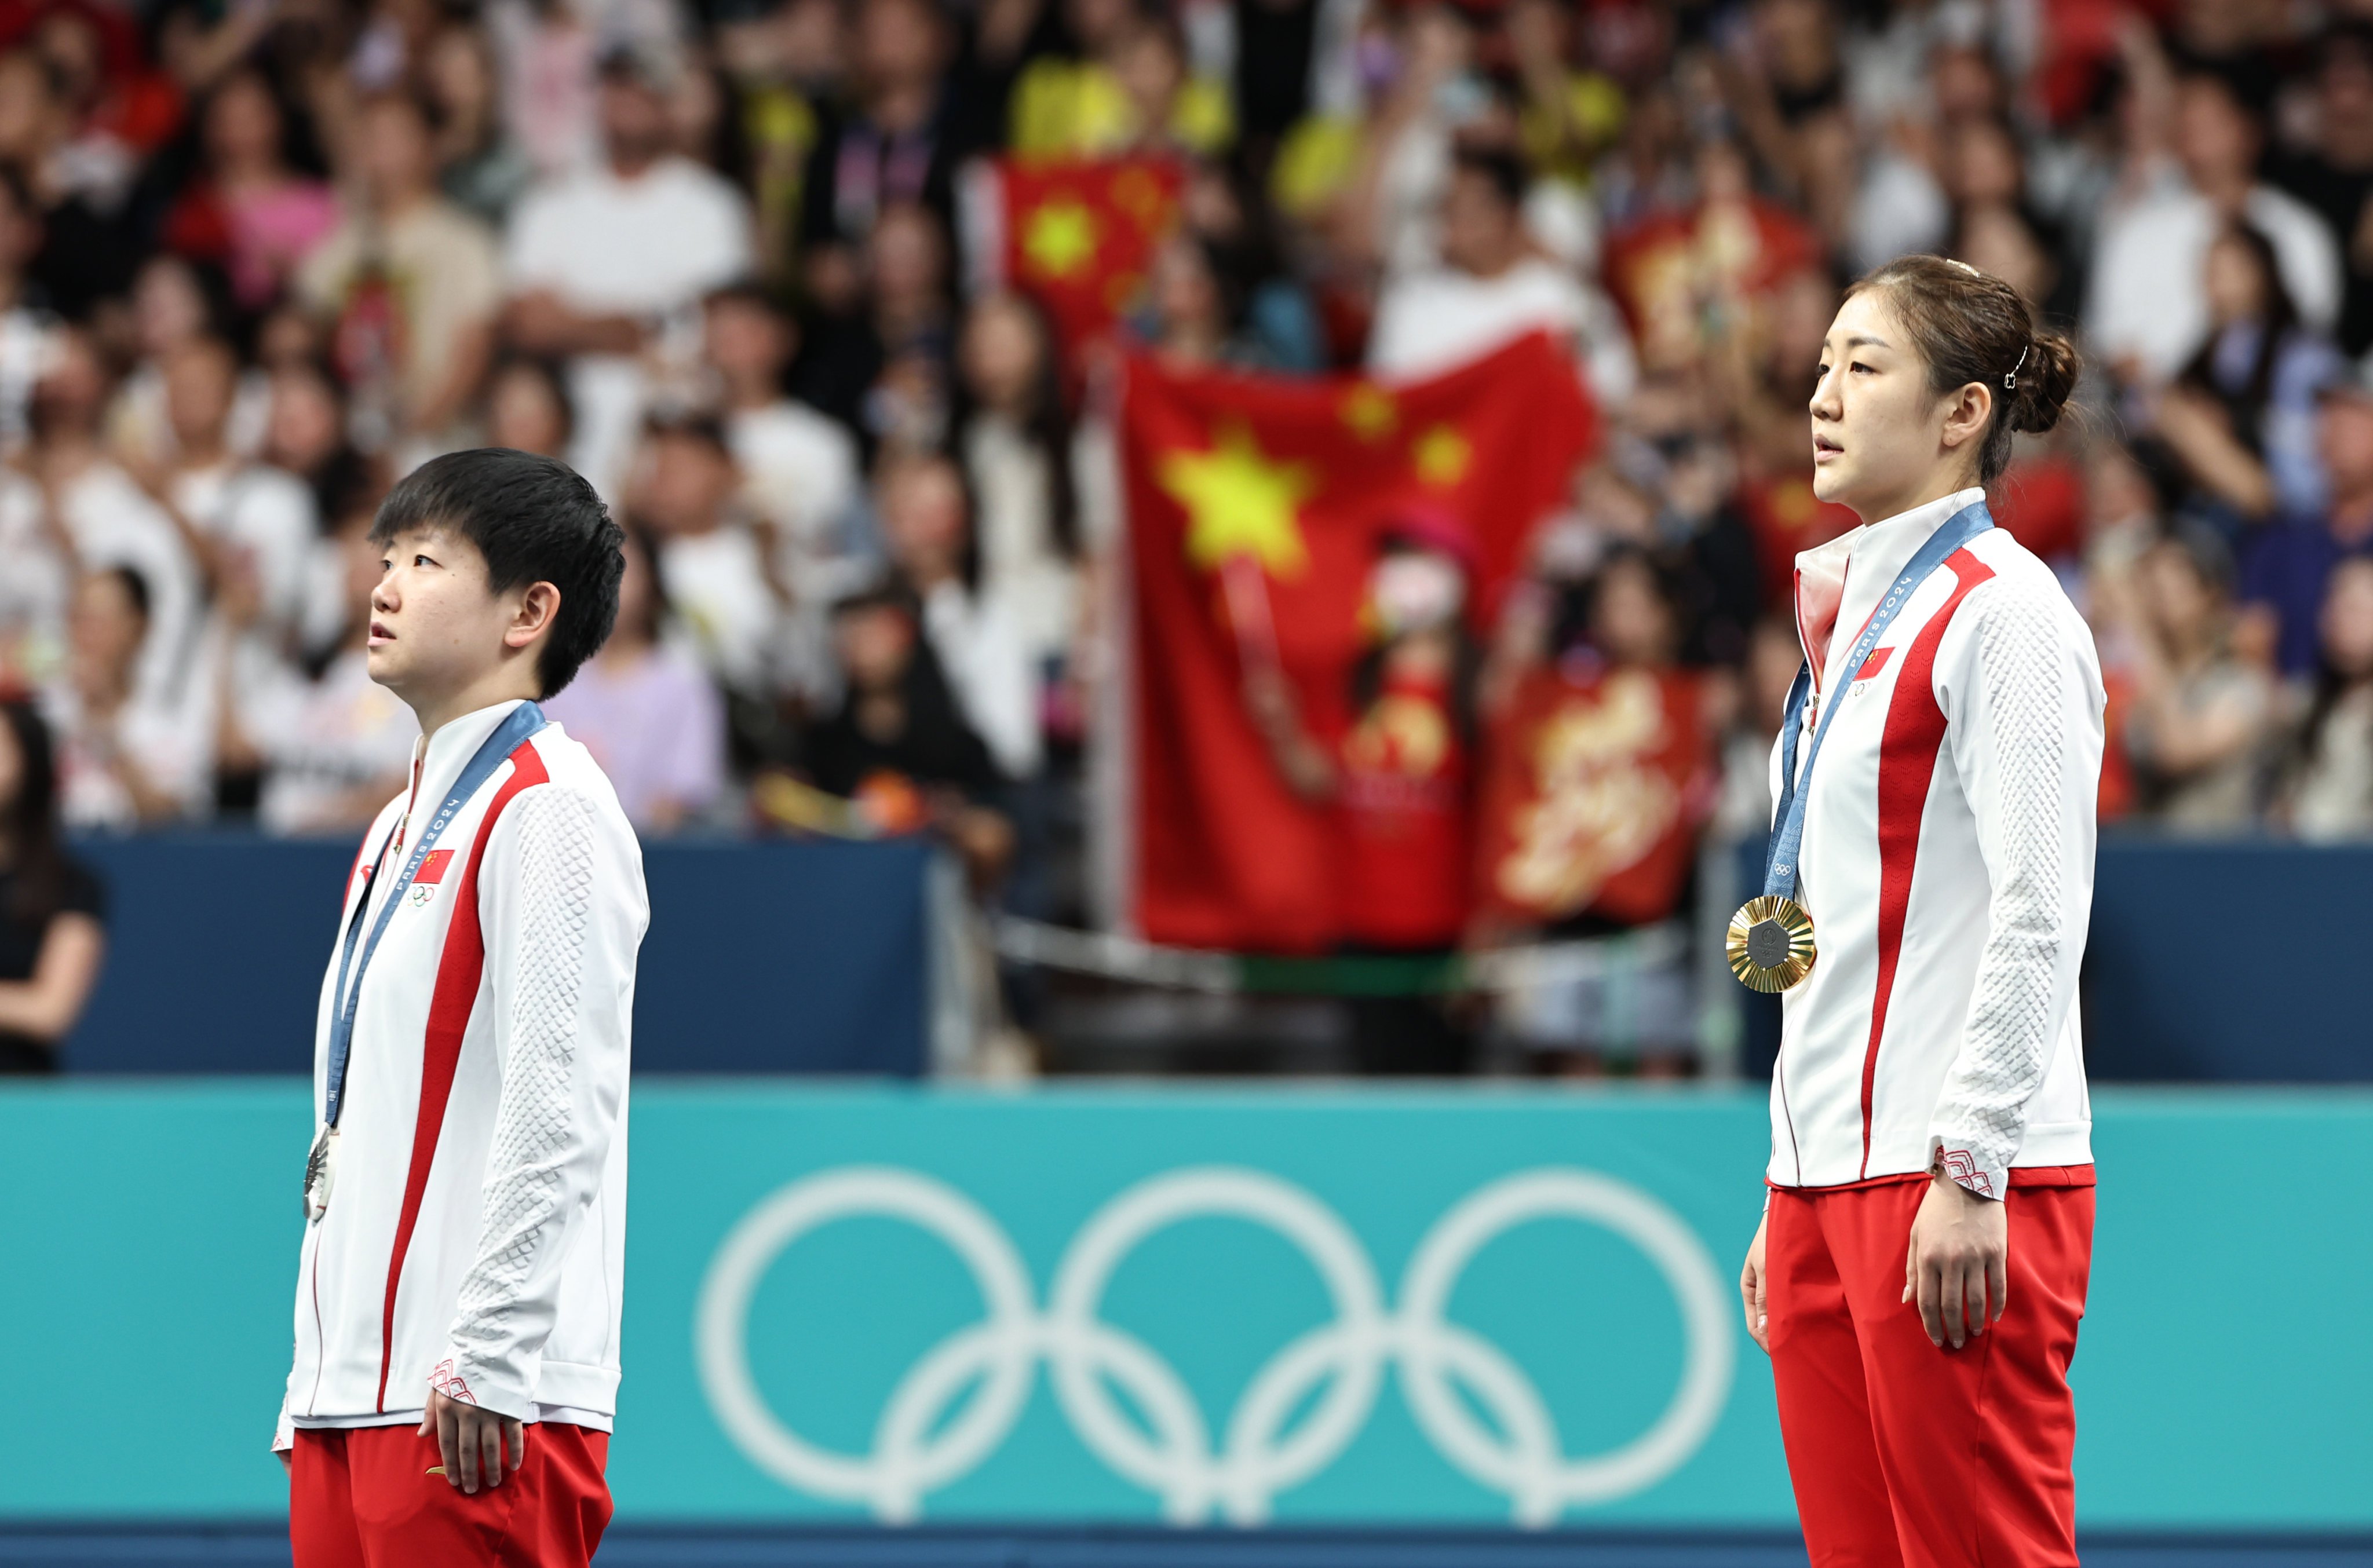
(1079, 236)
(1598, 784)
(1260, 513)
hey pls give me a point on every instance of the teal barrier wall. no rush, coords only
(1207, 1305)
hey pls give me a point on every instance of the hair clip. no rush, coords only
(2010, 382)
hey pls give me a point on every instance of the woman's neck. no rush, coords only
(1936, 487)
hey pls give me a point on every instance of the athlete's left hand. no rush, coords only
(472, 1441)
(1959, 1264)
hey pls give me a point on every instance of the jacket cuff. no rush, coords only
(470, 1383)
(283, 1431)
(1967, 1170)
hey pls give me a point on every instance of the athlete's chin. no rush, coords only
(386, 665)
(1829, 484)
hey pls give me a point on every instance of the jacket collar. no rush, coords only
(1840, 583)
(438, 760)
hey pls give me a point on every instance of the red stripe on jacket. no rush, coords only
(1907, 749)
(457, 972)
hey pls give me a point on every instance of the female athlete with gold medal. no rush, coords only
(1920, 1266)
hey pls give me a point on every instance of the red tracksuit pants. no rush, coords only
(362, 1497)
(1904, 1456)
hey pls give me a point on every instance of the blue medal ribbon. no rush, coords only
(1780, 864)
(524, 722)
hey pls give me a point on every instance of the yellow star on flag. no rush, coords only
(1441, 456)
(1368, 411)
(1240, 503)
(1061, 238)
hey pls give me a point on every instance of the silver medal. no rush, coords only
(320, 1170)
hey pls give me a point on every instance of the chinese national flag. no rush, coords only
(1255, 510)
(1079, 236)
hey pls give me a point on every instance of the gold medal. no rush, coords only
(1770, 943)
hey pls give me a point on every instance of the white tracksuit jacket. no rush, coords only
(476, 1237)
(1947, 866)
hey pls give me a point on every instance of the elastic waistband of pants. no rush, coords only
(2020, 1176)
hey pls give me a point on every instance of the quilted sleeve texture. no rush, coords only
(560, 951)
(2026, 735)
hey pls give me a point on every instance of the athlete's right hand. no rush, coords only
(1751, 1292)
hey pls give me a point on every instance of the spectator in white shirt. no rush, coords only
(127, 757)
(927, 527)
(23, 327)
(333, 745)
(242, 516)
(799, 468)
(1015, 443)
(1495, 286)
(714, 567)
(35, 585)
(174, 304)
(411, 281)
(2149, 304)
(105, 519)
(609, 265)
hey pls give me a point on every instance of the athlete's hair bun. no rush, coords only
(2039, 392)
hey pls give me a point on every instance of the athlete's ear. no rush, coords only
(1965, 415)
(539, 608)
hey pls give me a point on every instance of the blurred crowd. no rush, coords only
(733, 260)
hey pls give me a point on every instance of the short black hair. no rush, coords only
(535, 520)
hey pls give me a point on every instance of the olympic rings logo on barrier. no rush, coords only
(917, 1451)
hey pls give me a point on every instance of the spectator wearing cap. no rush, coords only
(408, 283)
(2148, 300)
(1493, 286)
(2286, 565)
(607, 266)
(2201, 712)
